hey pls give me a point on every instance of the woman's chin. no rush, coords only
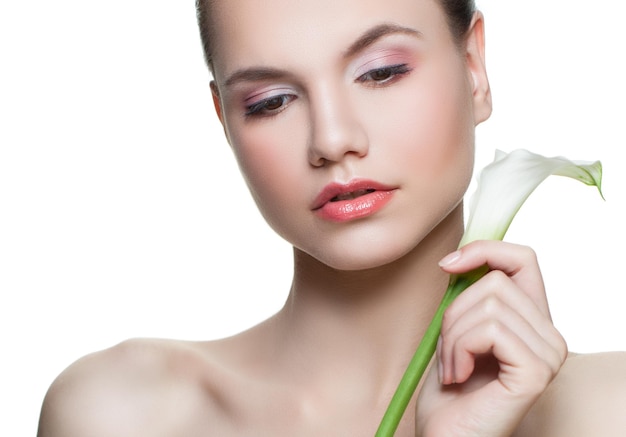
(358, 259)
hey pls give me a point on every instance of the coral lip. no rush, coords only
(335, 189)
(355, 199)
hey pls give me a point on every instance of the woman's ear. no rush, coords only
(475, 57)
(216, 101)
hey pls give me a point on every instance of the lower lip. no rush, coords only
(352, 209)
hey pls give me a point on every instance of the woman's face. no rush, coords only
(352, 120)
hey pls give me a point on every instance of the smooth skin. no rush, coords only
(311, 93)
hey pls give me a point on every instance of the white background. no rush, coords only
(122, 213)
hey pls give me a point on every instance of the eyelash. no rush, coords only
(263, 108)
(393, 72)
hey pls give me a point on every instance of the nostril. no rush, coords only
(316, 161)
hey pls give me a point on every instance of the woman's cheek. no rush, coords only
(448, 123)
(433, 137)
(268, 158)
(430, 130)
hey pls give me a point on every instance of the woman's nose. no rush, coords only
(336, 131)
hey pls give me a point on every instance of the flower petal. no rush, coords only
(506, 183)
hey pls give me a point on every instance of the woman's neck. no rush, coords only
(370, 320)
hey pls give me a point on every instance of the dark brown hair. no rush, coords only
(459, 14)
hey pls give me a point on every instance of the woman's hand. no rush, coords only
(498, 349)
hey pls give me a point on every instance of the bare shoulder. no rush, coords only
(139, 387)
(588, 397)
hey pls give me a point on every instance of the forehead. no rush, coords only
(285, 32)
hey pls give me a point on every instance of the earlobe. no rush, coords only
(475, 53)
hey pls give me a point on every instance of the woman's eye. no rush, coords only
(270, 106)
(380, 76)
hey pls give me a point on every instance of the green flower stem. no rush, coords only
(423, 355)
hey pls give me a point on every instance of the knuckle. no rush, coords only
(562, 349)
(491, 306)
(558, 345)
(496, 280)
(494, 328)
(555, 363)
(529, 254)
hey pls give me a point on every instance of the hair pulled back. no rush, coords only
(459, 15)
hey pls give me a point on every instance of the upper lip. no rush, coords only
(335, 189)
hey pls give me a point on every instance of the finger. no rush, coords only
(521, 371)
(516, 261)
(458, 363)
(496, 285)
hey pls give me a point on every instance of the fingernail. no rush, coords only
(450, 258)
(439, 363)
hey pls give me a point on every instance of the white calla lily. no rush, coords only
(503, 186)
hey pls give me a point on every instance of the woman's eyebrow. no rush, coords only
(373, 34)
(369, 37)
(255, 74)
